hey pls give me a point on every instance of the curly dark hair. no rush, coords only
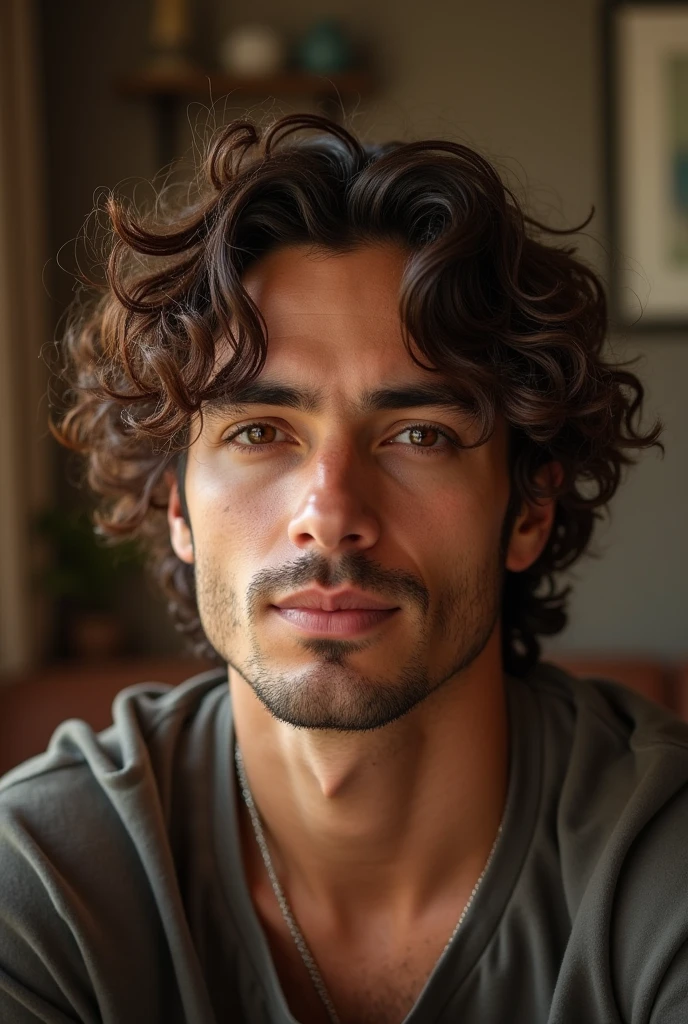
(520, 322)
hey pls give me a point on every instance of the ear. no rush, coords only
(533, 525)
(180, 532)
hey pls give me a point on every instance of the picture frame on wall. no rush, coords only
(646, 141)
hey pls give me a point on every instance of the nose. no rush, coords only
(334, 513)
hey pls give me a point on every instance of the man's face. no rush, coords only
(339, 496)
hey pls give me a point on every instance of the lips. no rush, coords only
(349, 599)
(341, 623)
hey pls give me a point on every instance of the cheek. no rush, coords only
(463, 543)
(462, 516)
(230, 514)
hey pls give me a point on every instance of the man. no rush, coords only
(353, 403)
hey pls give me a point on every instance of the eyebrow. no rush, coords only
(443, 395)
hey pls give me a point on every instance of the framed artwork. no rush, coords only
(646, 138)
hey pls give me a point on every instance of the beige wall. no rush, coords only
(522, 81)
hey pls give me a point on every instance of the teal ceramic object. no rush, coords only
(324, 48)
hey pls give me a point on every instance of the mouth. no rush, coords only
(346, 622)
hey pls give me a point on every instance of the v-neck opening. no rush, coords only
(466, 947)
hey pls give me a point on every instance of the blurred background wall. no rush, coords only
(25, 458)
(523, 82)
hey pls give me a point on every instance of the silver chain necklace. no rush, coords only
(298, 938)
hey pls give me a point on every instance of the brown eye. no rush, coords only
(424, 438)
(258, 432)
(260, 435)
(417, 433)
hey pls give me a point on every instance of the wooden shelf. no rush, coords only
(204, 85)
(166, 90)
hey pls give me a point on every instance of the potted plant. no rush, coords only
(84, 573)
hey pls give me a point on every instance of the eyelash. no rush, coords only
(264, 423)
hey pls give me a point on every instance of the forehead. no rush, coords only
(303, 281)
(331, 313)
(335, 337)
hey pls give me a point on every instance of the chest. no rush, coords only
(376, 979)
(363, 990)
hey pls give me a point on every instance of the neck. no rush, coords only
(391, 819)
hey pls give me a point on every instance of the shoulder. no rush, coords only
(86, 786)
(608, 705)
(614, 760)
(67, 794)
(601, 722)
(84, 848)
(649, 922)
(621, 810)
(144, 716)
